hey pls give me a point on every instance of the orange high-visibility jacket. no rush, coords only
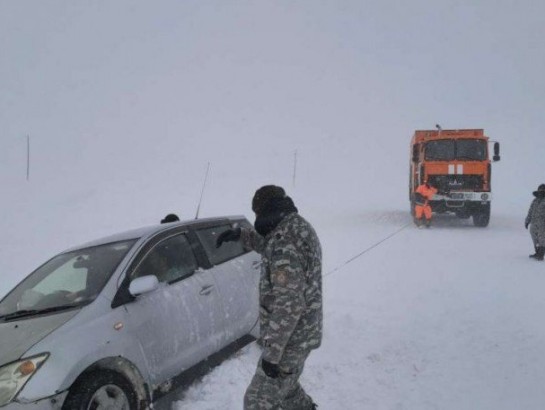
(426, 192)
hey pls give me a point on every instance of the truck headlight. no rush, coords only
(14, 376)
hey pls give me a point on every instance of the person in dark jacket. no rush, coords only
(170, 218)
(290, 298)
(536, 220)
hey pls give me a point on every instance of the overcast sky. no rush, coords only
(117, 89)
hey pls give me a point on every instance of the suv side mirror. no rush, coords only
(144, 284)
(496, 152)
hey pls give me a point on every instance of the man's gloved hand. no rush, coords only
(270, 369)
(230, 235)
(526, 225)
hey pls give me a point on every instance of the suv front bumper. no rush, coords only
(49, 403)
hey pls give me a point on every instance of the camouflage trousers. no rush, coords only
(283, 392)
(535, 235)
(538, 235)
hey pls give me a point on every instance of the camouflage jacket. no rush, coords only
(290, 286)
(538, 216)
(536, 213)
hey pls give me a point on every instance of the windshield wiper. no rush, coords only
(32, 312)
(439, 159)
(467, 158)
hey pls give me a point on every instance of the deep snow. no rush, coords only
(446, 318)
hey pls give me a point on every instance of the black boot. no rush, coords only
(535, 253)
(540, 253)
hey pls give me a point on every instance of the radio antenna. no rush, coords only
(202, 190)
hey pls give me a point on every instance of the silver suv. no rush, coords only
(112, 323)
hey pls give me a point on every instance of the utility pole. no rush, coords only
(294, 166)
(28, 157)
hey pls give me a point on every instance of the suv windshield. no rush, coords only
(68, 280)
(449, 150)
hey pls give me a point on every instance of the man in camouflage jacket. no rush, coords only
(536, 220)
(290, 299)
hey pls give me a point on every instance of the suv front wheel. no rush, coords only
(101, 390)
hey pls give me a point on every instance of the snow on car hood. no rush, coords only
(18, 336)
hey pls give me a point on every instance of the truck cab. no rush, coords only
(458, 164)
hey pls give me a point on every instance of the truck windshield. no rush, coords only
(449, 150)
(70, 279)
(471, 150)
(443, 150)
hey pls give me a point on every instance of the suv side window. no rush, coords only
(225, 252)
(170, 260)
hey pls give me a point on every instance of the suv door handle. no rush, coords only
(206, 290)
(256, 265)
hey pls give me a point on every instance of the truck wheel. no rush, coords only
(481, 218)
(101, 390)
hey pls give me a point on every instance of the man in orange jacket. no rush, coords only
(424, 193)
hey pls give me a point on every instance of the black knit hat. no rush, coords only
(264, 194)
(540, 190)
(170, 218)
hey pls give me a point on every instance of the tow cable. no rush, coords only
(353, 258)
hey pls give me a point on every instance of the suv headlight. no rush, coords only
(14, 376)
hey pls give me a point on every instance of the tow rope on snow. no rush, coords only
(353, 258)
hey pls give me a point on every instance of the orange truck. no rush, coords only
(458, 164)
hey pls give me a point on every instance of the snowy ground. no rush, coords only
(446, 318)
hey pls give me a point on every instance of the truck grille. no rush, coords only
(447, 183)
